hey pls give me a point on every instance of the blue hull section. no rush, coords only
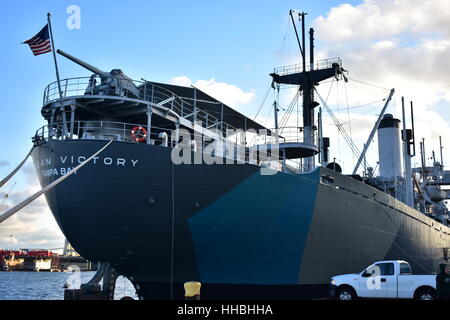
(256, 232)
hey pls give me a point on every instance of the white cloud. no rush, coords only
(402, 44)
(227, 93)
(34, 225)
(378, 19)
(181, 81)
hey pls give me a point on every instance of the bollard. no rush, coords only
(192, 290)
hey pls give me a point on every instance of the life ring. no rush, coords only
(139, 134)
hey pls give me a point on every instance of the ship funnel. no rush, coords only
(389, 148)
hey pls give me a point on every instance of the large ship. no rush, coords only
(189, 189)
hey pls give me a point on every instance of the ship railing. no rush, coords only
(101, 130)
(298, 68)
(231, 148)
(81, 86)
(285, 135)
(148, 92)
(121, 131)
(203, 119)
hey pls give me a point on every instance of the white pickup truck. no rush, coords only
(391, 279)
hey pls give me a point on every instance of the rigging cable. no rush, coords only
(27, 201)
(289, 110)
(282, 50)
(283, 43)
(9, 176)
(369, 84)
(344, 133)
(337, 104)
(348, 117)
(360, 105)
(6, 195)
(363, 113)
(264, 101)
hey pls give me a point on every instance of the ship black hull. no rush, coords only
(241, 233)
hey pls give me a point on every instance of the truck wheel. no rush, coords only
(426, 294)
(345, 293)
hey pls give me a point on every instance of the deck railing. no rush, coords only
(285, 135)
(298, 68)
(148, 92)
(120, 131)
(97, 130)
(81, 86)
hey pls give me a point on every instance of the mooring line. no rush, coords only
(9, 176)
(27, 201)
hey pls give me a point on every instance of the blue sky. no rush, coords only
(231, 41)
(401, 44)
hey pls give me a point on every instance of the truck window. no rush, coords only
(405, 268)
(386, 269)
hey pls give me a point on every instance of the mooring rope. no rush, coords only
(9, 176)
(27, 201)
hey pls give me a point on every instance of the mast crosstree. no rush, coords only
(307, 77)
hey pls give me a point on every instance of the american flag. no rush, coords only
(40, 43)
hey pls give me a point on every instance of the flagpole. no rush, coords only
(57, 77)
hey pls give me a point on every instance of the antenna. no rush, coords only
(422, 153)
(440, 148)
(311, 48)
(406, 138)
(320, 135)
(296, 33)
(275, 113)
(412, 131)
(302, 15)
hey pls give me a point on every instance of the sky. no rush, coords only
(227, 49)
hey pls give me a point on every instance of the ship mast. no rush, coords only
(307, 79)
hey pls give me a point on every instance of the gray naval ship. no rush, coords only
(276, 225)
